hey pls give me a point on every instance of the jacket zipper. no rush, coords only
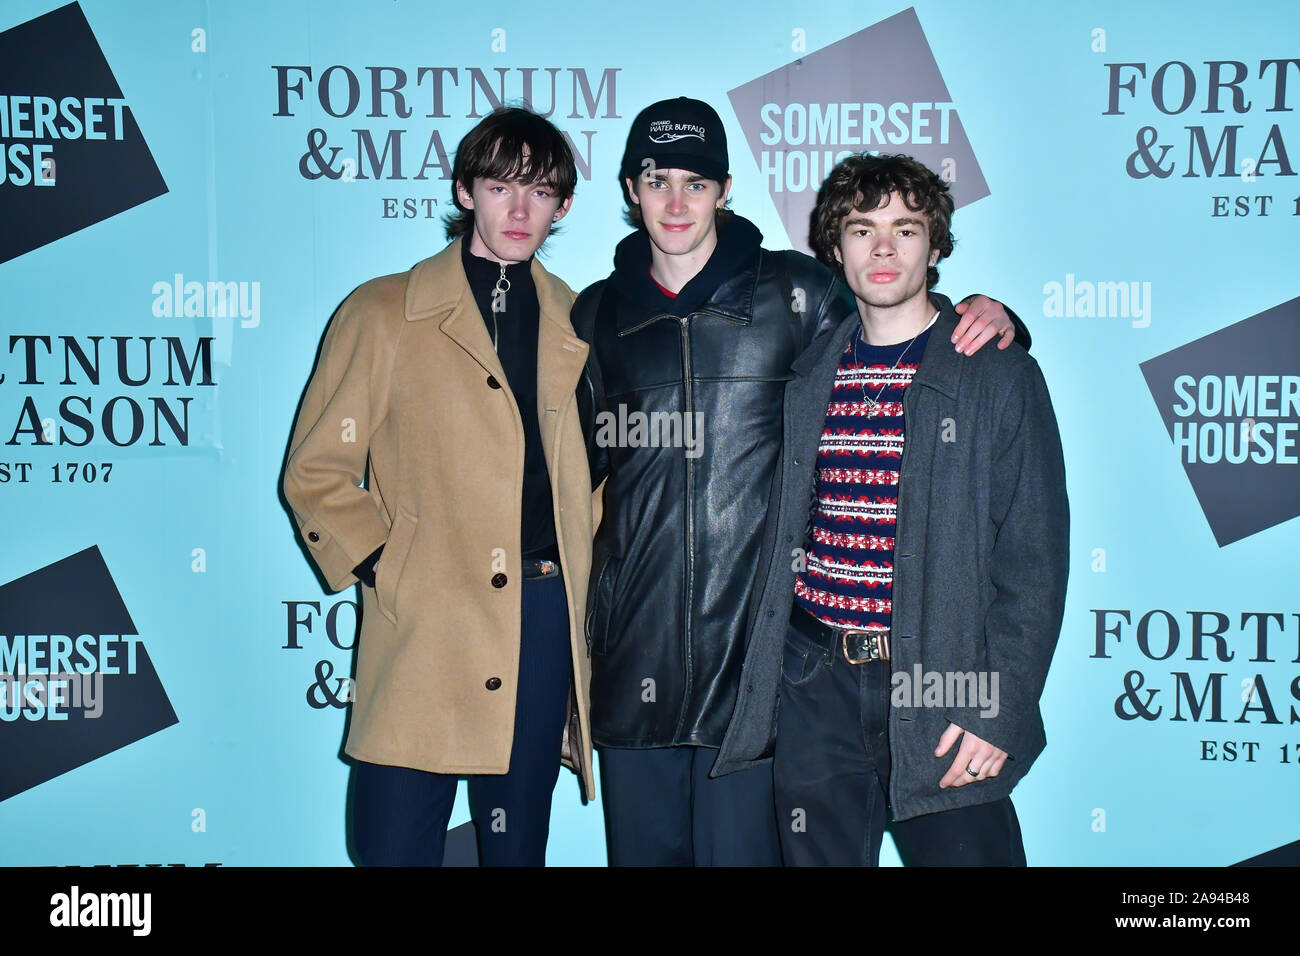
(688, 548)
(690, 526)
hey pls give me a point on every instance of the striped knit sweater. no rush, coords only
(849, 573)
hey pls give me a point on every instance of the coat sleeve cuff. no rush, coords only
(1001, 729)
(336, 562)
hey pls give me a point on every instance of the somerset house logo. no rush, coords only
(1231, 403)
(76, 682)
(71, 154)
(879, 90)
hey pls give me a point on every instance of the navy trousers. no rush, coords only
(663, 809)
(399, 815)
(831, 773)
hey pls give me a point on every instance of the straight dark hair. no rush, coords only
(510, 144)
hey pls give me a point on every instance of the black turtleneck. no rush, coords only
(515, 328)
(516, 346)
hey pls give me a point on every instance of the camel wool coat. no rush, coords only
(409, 386)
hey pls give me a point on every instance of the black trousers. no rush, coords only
(399, 815)
(663, 809)
(831, 775)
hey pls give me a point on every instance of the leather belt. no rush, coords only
(857, 646)
(540, 568)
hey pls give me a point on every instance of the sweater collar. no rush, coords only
(940, 366)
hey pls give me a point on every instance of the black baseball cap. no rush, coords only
(680, 133)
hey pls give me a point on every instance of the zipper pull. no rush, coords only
(499, 291)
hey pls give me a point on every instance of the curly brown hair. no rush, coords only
(863, 182)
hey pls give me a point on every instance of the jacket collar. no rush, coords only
(735, 266)
(834, 342)
(733, 300)
(940, 366)
(436, 285)
(439, 284)
(439, 288)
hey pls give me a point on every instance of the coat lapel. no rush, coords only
(941, 366)
(465, 327)
(810, 389)
(440, 289)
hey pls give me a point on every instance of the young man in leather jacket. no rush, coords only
(694, 331)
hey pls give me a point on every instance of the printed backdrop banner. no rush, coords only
(189, 189)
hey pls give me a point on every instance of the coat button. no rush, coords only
(492, 382)
(313, 536)
(493, 683)
(498, 581)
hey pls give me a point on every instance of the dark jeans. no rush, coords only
(399, 815)
(831, 774)
(663, 809)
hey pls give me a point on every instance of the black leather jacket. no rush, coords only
(678, 548)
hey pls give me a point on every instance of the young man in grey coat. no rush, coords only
(910, 611)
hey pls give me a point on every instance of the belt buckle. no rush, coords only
(868, 645)
(535, 568)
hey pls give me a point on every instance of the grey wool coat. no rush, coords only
(981, 560)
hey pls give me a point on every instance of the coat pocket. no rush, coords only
(389, 572)
(801, 659)
(602, 599)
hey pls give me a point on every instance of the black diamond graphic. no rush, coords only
(885, 64)
(1288, 855)
(57, 56)
(72, 597)
(1238, 499)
